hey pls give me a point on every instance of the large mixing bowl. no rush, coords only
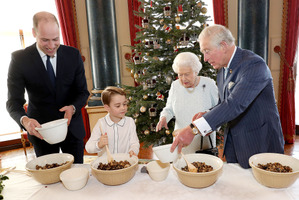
(274, 179)
(202, 179)
(115, 177)
(48, 176)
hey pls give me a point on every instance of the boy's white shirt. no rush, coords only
(122, 136)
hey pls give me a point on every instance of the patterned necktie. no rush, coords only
(50, 71)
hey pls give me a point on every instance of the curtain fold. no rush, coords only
(220, 12)
(134, 20)
(289, 41)
(69, 29)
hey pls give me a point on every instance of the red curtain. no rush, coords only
(69, 29)
(133, 5)
(287, 83)
(220, 12)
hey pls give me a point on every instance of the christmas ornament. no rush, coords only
(145, 97)
(184, 41)
(204, 10)
(177, 19)
(137, 60)
(180, 9)
(199, 4)
(152, 112)
(168, 41)
(130, 98)
(161, 21)
(167, 11)
(168, 80)
(146, 132)
(153, 127)
(135, 115)
(145, 23)
(142, 109)
(144, 86)
(156, 44)
(167, 132)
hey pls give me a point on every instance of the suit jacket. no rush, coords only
(27, 71)
(247, 104)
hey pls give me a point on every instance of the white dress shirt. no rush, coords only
(122, 136)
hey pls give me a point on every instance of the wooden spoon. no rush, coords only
(191, 167)
(109, 156)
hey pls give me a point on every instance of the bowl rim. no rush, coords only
(253, 166)
(160, 147)
(57, 122)
(200, 173)
(114, 171)
(157, 170)
(48, 155)
(74, 178)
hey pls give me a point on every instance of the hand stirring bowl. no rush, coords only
(109, 156)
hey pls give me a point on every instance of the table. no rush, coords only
(235, 183)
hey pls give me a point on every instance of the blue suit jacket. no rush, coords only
(27, 70)
(247, 104)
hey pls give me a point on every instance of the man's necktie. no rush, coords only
(50, 71)
(225, 72)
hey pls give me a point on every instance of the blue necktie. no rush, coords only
(50, 71)
(225, 72)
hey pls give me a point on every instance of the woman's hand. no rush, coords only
(162, 123)
(103, 141)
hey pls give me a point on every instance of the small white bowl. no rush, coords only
(55, 131)
(157, 170)
(74, 178)
(164, 154)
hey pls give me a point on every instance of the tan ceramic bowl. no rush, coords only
(115, 177)
(274, 179)
(49, 176)
(199, 180)
(157, 170)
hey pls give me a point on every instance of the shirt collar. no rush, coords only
(231, 58)
(111, 123)
(41, 53)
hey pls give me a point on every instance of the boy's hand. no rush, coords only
(103, 141)
(132, 153)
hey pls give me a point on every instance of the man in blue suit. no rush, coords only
(61, 95)
(246, 102)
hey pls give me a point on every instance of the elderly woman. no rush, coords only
(189, 95)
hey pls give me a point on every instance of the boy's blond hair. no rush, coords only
(109, 92)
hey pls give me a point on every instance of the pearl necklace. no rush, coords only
(193, 87)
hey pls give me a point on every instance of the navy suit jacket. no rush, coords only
(247, 104)
(27, 71)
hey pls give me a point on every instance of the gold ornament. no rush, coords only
(177, 19)
(143, 109)
(130, 98)
(204, 10)
(199, 5)
(167, 132)
(145, 97)
(161, 21)
(146, 132)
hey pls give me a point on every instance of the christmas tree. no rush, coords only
(168, 28)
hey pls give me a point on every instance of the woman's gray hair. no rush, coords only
(216, 34)
(187, 59)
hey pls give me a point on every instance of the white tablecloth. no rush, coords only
(235, 183)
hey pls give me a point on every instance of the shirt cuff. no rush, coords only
(22, 120)
(74, 109)
(203, 126)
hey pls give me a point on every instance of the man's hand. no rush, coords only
(30, 125)
(68, 112)
(183, 138)
(198, 115)
(162, 123)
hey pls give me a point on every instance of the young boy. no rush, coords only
(119, 131)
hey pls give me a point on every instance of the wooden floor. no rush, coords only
(17, 157)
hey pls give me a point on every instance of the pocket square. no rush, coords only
(230, 85)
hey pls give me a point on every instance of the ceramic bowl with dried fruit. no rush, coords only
(199, 179)
(116, 173)
(273, 178)
(46, 169)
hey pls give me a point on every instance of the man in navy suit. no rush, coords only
(246, 102)
(47, 101)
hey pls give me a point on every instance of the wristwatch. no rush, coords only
(195, 130)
